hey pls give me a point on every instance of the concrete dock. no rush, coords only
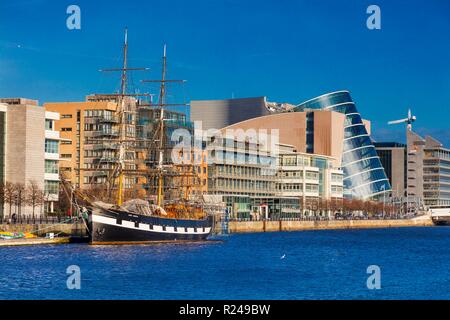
(33, 241)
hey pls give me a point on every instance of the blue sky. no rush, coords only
(289, 51)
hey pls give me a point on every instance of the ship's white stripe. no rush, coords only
(146, 227)
(128, 224)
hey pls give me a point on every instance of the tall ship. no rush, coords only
(115, 213)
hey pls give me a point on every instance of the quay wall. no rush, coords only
(42, 229)
(282, 225)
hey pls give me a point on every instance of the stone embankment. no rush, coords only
(296, 225)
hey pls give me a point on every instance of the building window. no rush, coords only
(66, 129)
(66, 142)
(51, 187)
(312, 188)
(48, 124)
(51, 146)
(310, 175)
(336, 177)
(51, 166)
(66, 155)
(66, 116)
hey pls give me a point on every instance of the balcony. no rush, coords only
(98, 173)
(51, 176)
(51, 156)
(54, 135)
(106, 146)
(108, 159)
(97, 120)
(101, 159)
(113, 119)
(101, 133)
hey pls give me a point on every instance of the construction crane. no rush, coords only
(408, 120)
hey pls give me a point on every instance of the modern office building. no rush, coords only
(84, 126)
(240, 173)
(308, 175)
(364, 175)
(393, 157)
(291, 127)
(328, 125)
(254, 181)
(428, 174)
(29, 151)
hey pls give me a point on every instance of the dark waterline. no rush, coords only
(414, 262)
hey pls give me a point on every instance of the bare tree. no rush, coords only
(347, 206)
(64, 202)
(9, 191)
(336, 205)
(34, 195)
(20, 197)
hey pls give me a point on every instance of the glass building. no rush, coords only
(364, 175)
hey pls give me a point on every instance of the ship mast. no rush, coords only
(122, 111)
(122, 121)
(161, 147)
(162, 94)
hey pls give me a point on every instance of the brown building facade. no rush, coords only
(328, 134)
(77, 121)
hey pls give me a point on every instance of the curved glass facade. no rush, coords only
(364, 176)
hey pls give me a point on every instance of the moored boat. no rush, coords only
(112, 226)
(441, 216)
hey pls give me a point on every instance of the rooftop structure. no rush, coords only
(217, 114)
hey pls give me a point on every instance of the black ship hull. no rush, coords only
(122, 227)
(442, 221)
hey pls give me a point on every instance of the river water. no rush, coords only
(414, 263)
